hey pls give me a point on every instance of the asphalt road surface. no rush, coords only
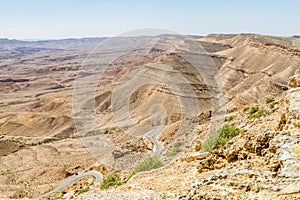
(72, 180)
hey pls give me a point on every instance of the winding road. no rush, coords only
(72, 180)
(156, 148)
(156, 152)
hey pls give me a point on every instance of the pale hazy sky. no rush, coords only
(47, 19)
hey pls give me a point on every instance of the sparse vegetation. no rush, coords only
(273, 104)
(147, 165)
(269, 100)
(253, 110)
(220, 137)
(15, 141)
(45, 141)
(111, 181)
(176, 148)
(256, 112)
(199, 132)
(82, 191)
(229, 118)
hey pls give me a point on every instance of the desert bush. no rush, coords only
(229, 118)
(253, 110)
(269, 100)
(82, 191)
(272, 105)
(176, 149)
(147, 165)
(219, 138)
(111, 181)
(256, 112)
(199, 132)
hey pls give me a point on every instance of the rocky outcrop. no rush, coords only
(242, 149)
(294, 102)
(278, 178)
(257, 165)
(290, 120)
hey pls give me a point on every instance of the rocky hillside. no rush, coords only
(261, 163)
(40, 145)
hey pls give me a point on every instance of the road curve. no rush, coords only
(72, 180)
(156, 152)
(156, 148)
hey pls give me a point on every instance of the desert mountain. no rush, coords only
(41, 144)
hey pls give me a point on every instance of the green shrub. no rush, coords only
(220, 137)
(210, 143)
(112, 180)
(199, 132)
(147, 165)
(272, 105)
(176, 149)
(256, 112)
(229, 118)
(253, 110)
(82, 191)
(269, 100)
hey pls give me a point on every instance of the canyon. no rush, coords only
(77, 105)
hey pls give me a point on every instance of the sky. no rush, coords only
(57, 19)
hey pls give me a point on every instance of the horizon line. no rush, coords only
(95, 37)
